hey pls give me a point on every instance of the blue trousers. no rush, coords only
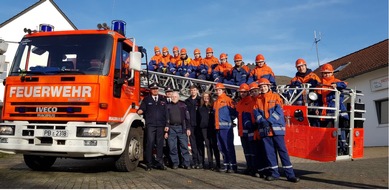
(274, 145)
(225, 141)
(248, 150)
(176, 133)
(261, 163)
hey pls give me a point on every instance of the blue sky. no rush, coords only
(281, 30)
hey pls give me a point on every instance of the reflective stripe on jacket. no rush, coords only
(225, 112)
(269, 115)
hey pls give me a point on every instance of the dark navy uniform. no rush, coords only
(166, 151)
(154, 114)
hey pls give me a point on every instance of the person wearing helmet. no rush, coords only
(184, 66)
(196, 62)
(225, 113)
(155, 61)
(269, 117)
(240, 71)
(304, 75)
(262, 70)
(172, 67)
(254, 90)
(260, 163)
(244, 108)
(328, 81)
(211, 62)
(222, 72)
(165, 59)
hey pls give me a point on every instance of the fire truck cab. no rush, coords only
(74, 94)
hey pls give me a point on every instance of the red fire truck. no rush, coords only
(74, 94)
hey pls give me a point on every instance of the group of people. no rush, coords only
(209, 68)
(206, 123)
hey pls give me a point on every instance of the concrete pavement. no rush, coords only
(368, 172)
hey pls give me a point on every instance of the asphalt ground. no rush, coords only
(369, 172)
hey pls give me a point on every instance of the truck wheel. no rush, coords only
(130, 157)
(39, 163)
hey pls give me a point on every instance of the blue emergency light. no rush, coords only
(119, 26)
(46, 28)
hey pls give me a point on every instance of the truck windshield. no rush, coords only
(59, 55)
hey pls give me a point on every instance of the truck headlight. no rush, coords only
(7, 130)
(91, 132)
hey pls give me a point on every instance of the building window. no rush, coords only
(382, 111)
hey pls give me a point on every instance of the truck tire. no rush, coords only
(130, 157)
(39, 163)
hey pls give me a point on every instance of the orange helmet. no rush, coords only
(263, 81)
(209, 50)
(164, 49)
(238, 57)
(196, 51)
(220, 86)
(300, 62)
(156, 48)
(244, 87)
(253, 85)
(223, 56)
(175, 48)
(183, 51)
(259, 57)
(326, 68)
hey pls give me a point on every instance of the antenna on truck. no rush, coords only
(317, 40)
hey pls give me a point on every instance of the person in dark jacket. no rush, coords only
(166, 151)
(206, 123)
(193, 103)
(177, 128)
(153, 108)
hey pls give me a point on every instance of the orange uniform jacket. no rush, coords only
(269, 115)
(166, 59)
(261, 72)
(210, 62)
(328, 96)
(224, 112)
(246, 120)
(174, 59)
(310, 78)
(223, 70)
(155, 61)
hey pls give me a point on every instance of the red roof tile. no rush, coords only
(363, 61)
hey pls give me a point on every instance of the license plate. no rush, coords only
(55, 133)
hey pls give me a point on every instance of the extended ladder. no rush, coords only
(181, 84)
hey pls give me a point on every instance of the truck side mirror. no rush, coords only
(3, 49)
(135, 60)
